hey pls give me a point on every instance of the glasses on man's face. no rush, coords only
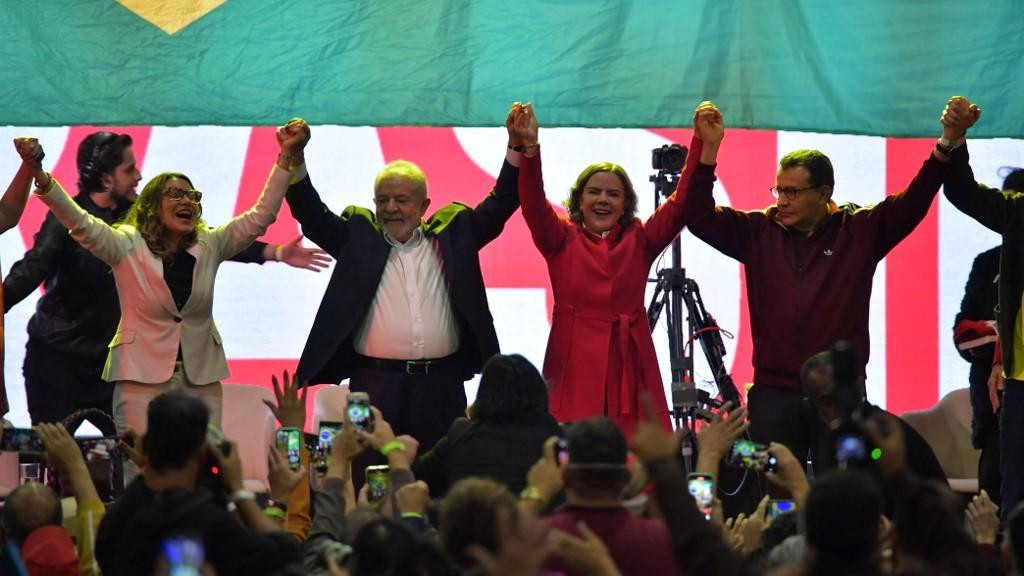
(790, 193)
(177, 194)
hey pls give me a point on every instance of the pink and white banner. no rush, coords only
(264, 312)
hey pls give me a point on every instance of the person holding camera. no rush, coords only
(172, 498)
(809, 264)
(165, 261)
(600, 353)
(835, 402)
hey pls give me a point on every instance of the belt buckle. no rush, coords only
(417, 367)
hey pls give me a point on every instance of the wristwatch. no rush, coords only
(947, 146)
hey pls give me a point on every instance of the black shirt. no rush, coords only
(132, 531)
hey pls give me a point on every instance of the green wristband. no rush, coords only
(391, 447)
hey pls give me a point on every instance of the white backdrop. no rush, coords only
(264, 312)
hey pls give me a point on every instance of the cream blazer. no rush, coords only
(145, 346)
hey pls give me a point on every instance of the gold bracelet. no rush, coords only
(533, 493)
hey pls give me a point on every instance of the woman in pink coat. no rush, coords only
(600, 354)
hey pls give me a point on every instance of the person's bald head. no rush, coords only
(817, 378)
(28, 507)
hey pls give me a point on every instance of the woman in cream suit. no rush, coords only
(164, 260)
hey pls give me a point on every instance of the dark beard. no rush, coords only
(122, 206)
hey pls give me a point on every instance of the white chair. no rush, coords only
(329, 405)
(946, 427)
(250, 424)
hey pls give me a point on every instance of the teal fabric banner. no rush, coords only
(883, 67)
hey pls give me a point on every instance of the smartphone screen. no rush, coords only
(359, 413)
(99, 448)
(185, 556)
(21, 440)
(562, 452)
(328, 432)
(850, 447)
(778, 507)
(702, 488)
(377, 484)
(289, 442)
(752, 455)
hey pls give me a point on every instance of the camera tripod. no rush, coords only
(675, 291)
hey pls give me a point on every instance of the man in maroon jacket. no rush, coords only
(809, 265)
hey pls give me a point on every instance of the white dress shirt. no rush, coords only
(411, 315)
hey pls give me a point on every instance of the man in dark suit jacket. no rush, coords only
(405, 314)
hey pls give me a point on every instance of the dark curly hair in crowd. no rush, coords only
(100, 153)
(511, 391)
(629, 207)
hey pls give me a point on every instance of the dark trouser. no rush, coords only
(1011, 438)
(781, 415)
(776, 415)
(985, 432)
(57, 384)
(422, 406)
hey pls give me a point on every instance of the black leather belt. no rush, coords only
(411, 367)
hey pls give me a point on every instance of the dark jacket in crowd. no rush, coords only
(134, 528)
(502, 452)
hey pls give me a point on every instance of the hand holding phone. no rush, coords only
(562, 452)
(752, 456)
(325, 440)
(377, 484)
(289, 442)
(358, 411)
(778, 507)
(21, 440)
(702, 488)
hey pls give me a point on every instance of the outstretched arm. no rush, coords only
(492, 212)
(243, 229)
(698, 179)
(292, 254)
(728, 231)
(898, 215)
(992, 208)
(12, 205)
(296, 255)
(106, 243)
(64, 454)
(95, 235)
(546, 228)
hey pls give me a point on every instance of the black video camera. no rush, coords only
(669, 158)
(852, 448)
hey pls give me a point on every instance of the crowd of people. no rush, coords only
(573, 469)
